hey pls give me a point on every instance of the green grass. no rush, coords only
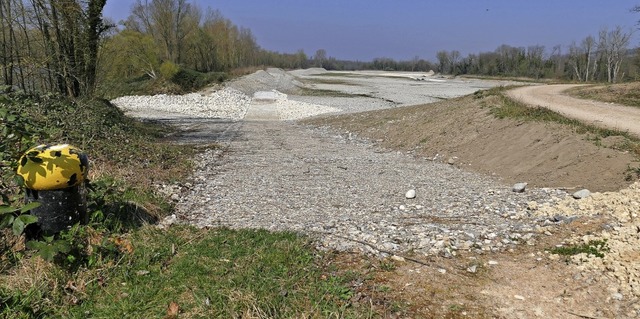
(593, 247)
(209, 273)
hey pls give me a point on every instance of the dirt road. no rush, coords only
(606, 115)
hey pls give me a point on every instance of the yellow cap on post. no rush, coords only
(50, 167)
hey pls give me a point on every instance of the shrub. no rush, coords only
(168, 69)
(191, 80)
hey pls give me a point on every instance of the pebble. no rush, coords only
(411, 194)
(519, 187)
(583, 193)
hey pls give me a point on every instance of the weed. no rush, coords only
(593, 247)
(387, 265)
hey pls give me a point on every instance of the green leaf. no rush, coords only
(18, 226)
(62, 246)
(28, 219)
(29, 207)
(19, 180)
(7, 209)
(47, 252)
(35, 245)
(6, 220)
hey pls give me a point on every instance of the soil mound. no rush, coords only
(462, 131)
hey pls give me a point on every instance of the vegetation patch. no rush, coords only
(596, 248)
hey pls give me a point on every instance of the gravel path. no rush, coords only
(344, 192)
(348, 194)
(351, 195)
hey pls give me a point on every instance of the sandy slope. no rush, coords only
(601, 114)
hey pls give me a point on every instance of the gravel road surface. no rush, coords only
(345, 192)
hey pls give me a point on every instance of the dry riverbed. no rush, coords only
(466, 245)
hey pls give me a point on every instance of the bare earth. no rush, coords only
(607, 115)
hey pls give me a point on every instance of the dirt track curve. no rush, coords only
(606, 115)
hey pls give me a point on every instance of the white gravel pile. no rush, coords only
(287, 109)
(622, 238)
(227, 103)
(294, 110)
(270, 79)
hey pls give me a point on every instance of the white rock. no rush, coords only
(411, 194)
(519, 187)
(583, 193)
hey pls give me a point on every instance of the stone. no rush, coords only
(519, 187)
(451, 160)
(411, 194)
(472, 269)
(583, 193)
(398, 258)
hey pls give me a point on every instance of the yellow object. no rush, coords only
(50, 167)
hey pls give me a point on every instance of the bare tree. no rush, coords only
(443, 61)
(613, 47)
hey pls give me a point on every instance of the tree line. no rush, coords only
(606, 58)
(68, 47)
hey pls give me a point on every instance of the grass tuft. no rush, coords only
(593, 247)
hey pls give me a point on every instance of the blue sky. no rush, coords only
(401, 29)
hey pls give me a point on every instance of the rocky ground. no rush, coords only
(446, 223)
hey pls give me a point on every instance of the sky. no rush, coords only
(363, 30)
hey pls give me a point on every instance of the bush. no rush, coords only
(191, 80)
(168, 70)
